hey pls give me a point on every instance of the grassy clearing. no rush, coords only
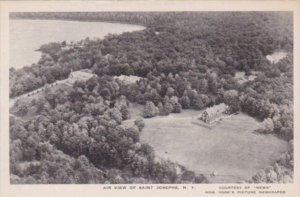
(231, 148)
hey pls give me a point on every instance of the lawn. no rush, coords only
(231, 149)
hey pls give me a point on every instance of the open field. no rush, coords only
(231, 148)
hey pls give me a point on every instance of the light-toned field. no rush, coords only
(231, 148)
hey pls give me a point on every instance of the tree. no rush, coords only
(198, 103)
(106, 93)
(115, 114)
(231, 98)
(160, 108)
(150, 110)
(50, 97)
(188, 176)
(125, 112)
(185, 102)
(260, 177)
(177, 107)
(16, 153)
(168, 106)
(22, 109)
(201, 179)
(203, 85)
(271, 175)
(170, 92)
(40, 105)
(267, 126)
(213, 84)
(140, 124)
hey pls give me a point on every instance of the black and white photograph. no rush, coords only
(177, 97)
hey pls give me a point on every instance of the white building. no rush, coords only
(128, 79)
(213, 113)
(276, 56)
(80, 75)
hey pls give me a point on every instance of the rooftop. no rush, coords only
(128, 79)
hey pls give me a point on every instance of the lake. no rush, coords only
(28, 35)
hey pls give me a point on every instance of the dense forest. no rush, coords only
(186, 60)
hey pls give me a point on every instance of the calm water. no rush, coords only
(28, 35)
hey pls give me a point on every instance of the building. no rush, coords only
(80, 75)
(212, 114)
(276, 57)
(128, 79)
(242, 78)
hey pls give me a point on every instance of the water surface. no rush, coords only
(28, 35)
